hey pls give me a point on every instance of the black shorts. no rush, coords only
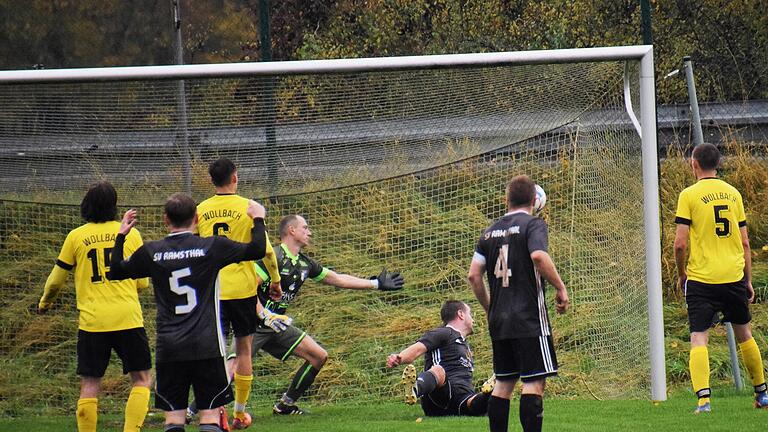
(240, 315)
(95, 348)
(279, 345)
(448, 400)
(705, 300)
(208, 379)
(529, 359)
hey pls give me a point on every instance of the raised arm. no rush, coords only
(138, 265)
(384, 281)
(407, 356)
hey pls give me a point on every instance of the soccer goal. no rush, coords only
(398, 162)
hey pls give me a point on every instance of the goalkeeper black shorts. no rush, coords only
(279, 345)
(705, 300)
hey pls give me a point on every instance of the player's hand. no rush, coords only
(562, 302)
(751, 292)
(256, 210)
(681, 282)
(43, 308)
(389, 281)
(393, 360)
(128, 222)
(275, 291)
(275, 321)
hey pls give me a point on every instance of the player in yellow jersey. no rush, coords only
(110, 312)
(716, 277)
(224, 214)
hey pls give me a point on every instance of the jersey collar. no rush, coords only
(288, 252)
(516, 212)
(177, 233)
(457, 330)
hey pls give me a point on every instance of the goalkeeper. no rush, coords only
(445, 387)
(295, 268)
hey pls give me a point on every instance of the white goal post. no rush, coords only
(646, 119)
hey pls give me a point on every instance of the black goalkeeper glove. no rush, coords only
(389, 281)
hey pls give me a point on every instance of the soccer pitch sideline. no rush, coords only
(730, 411)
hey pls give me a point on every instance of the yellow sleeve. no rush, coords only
(683, 213)
(270, 261)
(53, 285)
(68, 254)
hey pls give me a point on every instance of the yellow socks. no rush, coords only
(242, 391)
(87, 414)
(136, 409)
(699, 366)
(750, 354)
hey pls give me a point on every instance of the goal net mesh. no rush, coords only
(397, 169)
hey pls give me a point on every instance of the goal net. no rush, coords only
(398, 167)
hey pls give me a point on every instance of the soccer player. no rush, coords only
(189, 348)
(224, 215)
(110, 312)
(445, 387)
(716, 277)
(295, 268)
(512, 253)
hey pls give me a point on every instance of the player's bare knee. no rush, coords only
(439, 374)
(319, 356)
(534, 387)
(743, 332)
(141, 378)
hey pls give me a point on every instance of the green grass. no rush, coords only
(731, 411)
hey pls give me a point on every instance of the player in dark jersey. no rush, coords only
(189, 347)
(295, 268)
(445, 387)
(512, 254)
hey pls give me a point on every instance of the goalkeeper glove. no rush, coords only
(275, 321)
(388, 281)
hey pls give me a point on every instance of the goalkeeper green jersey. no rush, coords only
(294, 270)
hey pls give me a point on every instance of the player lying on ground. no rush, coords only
(445, 387)
(189, 348)
(110, 312)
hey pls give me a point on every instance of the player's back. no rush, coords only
(517, 306)
(183, 270)
(448, 348)
(714, 211)
(225, 215)
(104, 305)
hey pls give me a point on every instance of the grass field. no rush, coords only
(731, 411)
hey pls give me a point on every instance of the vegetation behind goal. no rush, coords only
(402, 169)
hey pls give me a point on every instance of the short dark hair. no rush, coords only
(99, 203)
(286, 222)
(180, 209)
(450, 310)
(520, 191)
(221, 171)
(707, 155)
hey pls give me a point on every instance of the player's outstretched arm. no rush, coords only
(547, 268)
(384, 281)
(406, 356)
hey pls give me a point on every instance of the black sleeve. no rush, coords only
(435, 338)
(137, 266)
(538, 238)
(228, 251)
